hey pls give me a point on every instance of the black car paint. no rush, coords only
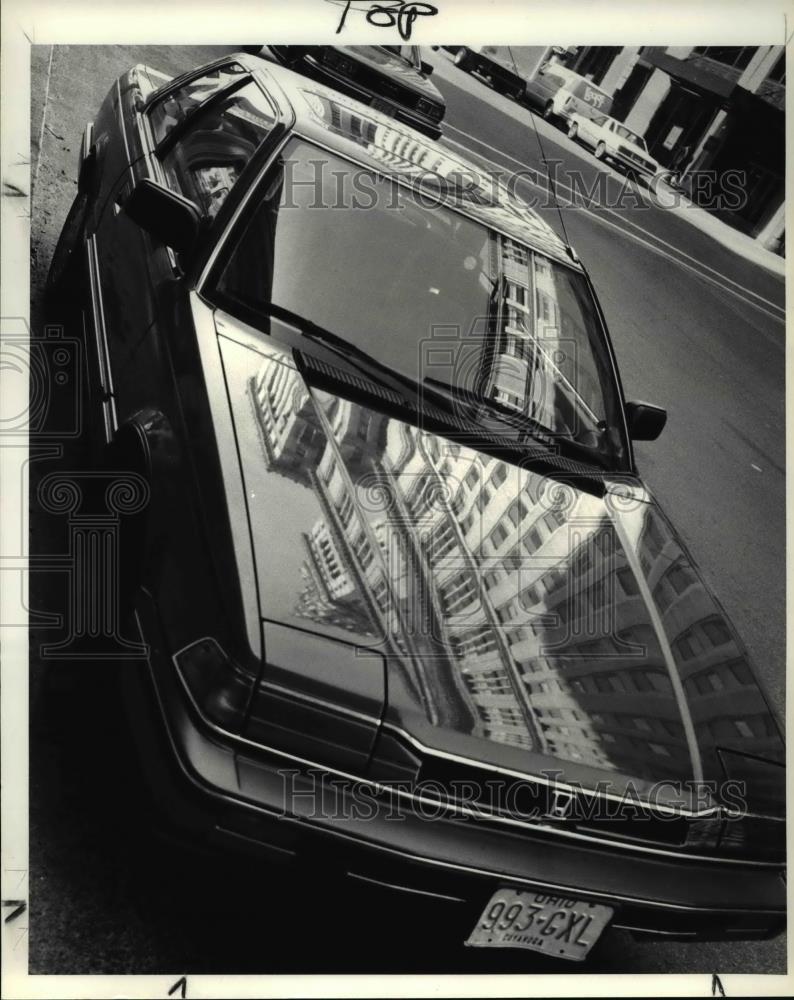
(172, 378)
(374, 73)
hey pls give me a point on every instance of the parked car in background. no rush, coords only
(577, 95)
(544, 87)
(392, 78)
(493, 64)
(406, 610)
(612, 141)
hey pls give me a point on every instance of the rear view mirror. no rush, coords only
(427, 69)
(164, 214)
(645, 421)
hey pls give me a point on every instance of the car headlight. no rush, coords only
(338, 62)
(430, 109)
(218, 686)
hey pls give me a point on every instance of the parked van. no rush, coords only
(577, 95)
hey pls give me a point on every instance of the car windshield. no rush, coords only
(405, 52)
(630, 136)
(429, 294)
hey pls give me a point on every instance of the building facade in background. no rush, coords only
(705, 108)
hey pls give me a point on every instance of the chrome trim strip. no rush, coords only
(109, 420)
(98, 309)
(404, 888)
(564, 890)
(456, 808)
(537, 778)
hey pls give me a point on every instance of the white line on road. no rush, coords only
(43, 120)
(724, 281)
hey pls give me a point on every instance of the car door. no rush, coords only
(138, 276)
(588, 130)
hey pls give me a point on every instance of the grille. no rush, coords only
(491, 794)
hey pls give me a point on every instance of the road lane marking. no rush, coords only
(689, 267)
(645, 232)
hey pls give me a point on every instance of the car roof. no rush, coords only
(384, 145)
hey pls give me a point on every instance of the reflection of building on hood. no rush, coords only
(528, 618)
(727, 707)
(291, 431)
(315, 604)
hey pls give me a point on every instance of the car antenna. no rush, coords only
(543, 159)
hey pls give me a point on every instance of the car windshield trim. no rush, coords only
(602, 439)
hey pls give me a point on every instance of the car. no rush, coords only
(403, 606)
(544, 87)
(392, 78)
(495, 65)
(516, 72)
(612, 141)
(577, 96)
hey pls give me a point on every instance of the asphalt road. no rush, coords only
(696, 329)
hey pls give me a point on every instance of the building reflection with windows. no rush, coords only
(516, 607)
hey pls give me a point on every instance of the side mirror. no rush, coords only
(646, 421)
(164, 214)
(427, 69)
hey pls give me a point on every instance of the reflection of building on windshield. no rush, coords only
(521, 617)
(404, 154)
(534, 358)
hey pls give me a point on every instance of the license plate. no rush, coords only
(385, 106)
(557, 927)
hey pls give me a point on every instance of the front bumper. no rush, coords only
(626, 161)
(264, 804)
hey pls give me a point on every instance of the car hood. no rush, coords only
(391, 65)
(526, 623)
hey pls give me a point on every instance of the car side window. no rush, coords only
(174, 107)
(206, 160)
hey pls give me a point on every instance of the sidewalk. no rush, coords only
(739, 243)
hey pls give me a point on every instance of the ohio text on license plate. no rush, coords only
(553, 925)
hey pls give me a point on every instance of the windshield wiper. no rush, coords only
(521, 422)
(443, 398)
(363, 363)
